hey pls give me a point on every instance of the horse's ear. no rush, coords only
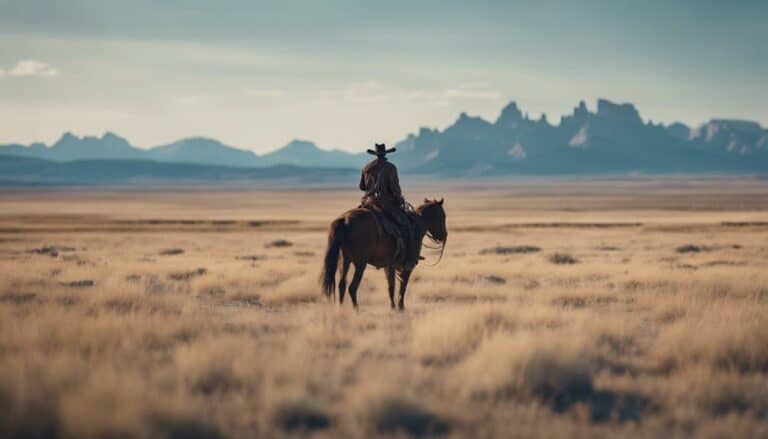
(426, 200)
(441, 201)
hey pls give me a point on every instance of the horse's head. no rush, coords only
(433, 215)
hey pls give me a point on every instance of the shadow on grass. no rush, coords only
(394, 415)
(184, 428)
(301, 416)
(604, 405)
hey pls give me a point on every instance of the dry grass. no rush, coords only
(197, 323)
(562, 258)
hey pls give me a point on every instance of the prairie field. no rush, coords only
(560, 309)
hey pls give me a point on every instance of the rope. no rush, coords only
(441, 247)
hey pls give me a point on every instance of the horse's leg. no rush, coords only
(391, 285)
(356, 278)
(343, 277)
(404, 276)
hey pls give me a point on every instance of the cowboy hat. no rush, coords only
(381, 150)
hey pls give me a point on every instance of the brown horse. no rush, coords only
(356, 237)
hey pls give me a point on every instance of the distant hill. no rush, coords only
(305, 153)
(16, 170)
(198, 150)
(612, 139)
(71, 147)
(202, 150)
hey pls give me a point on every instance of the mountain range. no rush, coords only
(197, 150)
(30, 171)
(612, 139)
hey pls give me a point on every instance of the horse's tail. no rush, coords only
(335, 238)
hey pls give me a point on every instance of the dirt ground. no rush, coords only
(560, 309)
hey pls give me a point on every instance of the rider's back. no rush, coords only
(381, 185)
(379, 180)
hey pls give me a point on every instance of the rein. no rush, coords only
(440, 245)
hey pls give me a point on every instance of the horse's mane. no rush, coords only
(426, 205)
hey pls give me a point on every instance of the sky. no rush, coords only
(346, 74)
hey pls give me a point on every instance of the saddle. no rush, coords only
(387, 226)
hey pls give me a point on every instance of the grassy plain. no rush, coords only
(560, 309)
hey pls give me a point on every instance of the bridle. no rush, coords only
(440, 244)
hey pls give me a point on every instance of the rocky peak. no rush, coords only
(581, 110)
(679, 130)
(580, 116)
(740, 136)
(109, 135)
(112, 139)
(67, 137)
(724, 127)
(510, 114)
(626, 113)
(742, 126)
(468, 125)
(425, 131)
(298, 145)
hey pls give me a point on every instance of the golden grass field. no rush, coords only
(560, 309)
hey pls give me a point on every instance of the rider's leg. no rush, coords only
(412, 247)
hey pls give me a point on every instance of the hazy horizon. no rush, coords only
(256, 76)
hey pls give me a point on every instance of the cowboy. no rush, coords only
(381, 185)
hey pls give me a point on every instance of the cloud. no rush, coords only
(30, 68)
(369, 91)
(372, 91)
(263, 92)
(478, 84)
(419, 95)
(459, 96)
(474, 90)
(471, 93)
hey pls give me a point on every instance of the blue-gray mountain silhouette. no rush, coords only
(71, 147)
(737, 136)
(202, 150)
(196, 150)
(613, 139)
(24, 171)
(305, 153)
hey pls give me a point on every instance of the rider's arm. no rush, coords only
(394, 185)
